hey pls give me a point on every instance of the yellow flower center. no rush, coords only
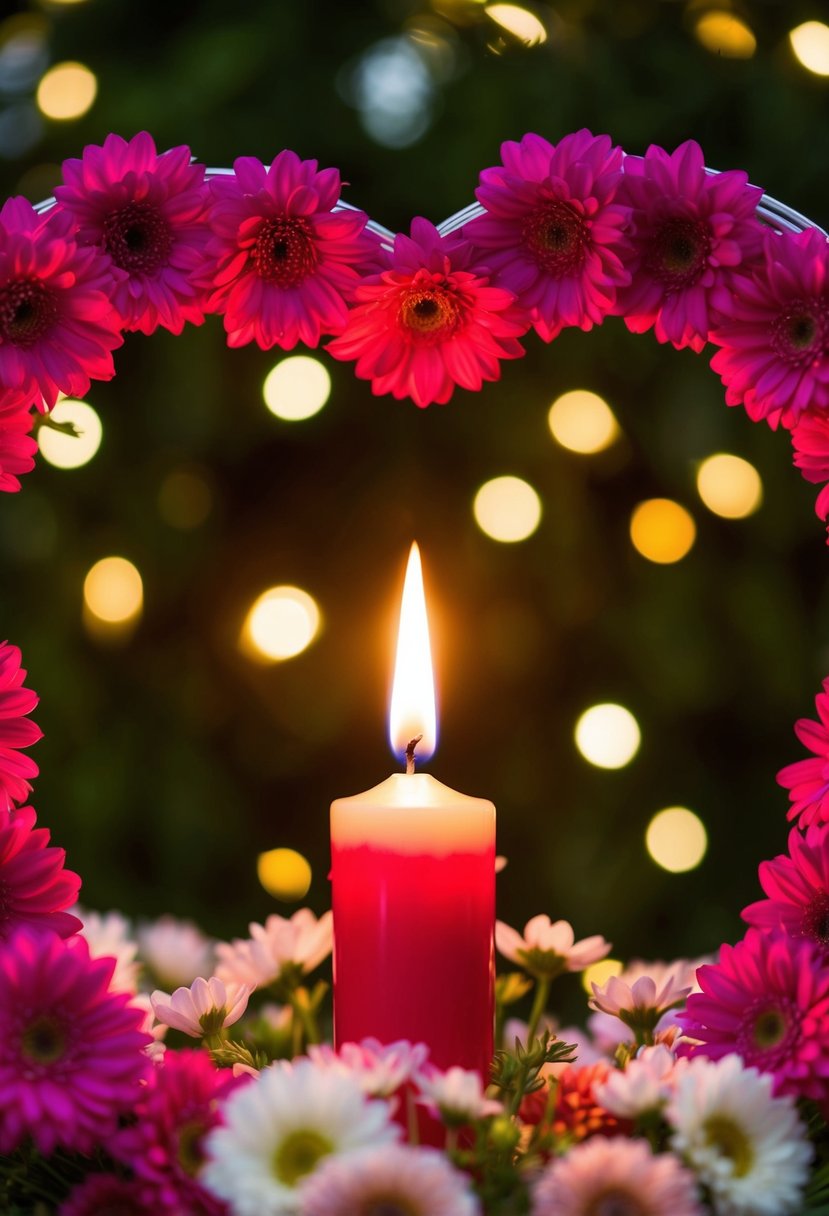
(298, 1154)
(729, 1139)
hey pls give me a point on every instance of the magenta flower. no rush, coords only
(797, 887)
(35, 887)
(691, 232)
(16, 729)
(17, 447)
(430, 321)
(774, 331)
(283, 261)
(767, 1000)
(808, 780)
(553, 234)
(71, 1051)
(147, 211)
(57, 325)
(103, 1195)
(810, 440)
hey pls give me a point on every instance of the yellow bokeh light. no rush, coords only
(519, 22)
(507, 509)
(729, 486)
(297, 388)
(113, 591)
(583, 422)
(608, 736)
(284, 873)
(184, 499)
(599, 973)
(724, 34)
(70, 451)
(66, 91)
(662, 530)
(676, 839)
(810, 43)
(282, 623)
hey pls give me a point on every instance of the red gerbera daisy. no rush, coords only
(430, 321)
(147, 212)
(797, 887)
(16, 729)
(34, 887)
(17, 447)
(808, 780)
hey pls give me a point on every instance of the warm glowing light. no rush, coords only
(507, 509)
(724, 34)
(519, 22)
(608, 736)
(66, 91)
(284, 873)
(281, 623)
(184, 499)
(600, 972)
(676, 839)
(113, 591)
(70, 451)
(662, 530)
(412, 709)
(297, 388)
(810, 43)
(729, 486)
(582, 422)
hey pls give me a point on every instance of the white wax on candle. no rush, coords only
(413, 813)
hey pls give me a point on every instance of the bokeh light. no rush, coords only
(113, 591)
(281, 623)
(392, 88)
(676, 839)
(519, 22)
(185, 499)
(297, 388)
(66, 91)
(599, 973)
(724, 34)
(284, 873)
(608, 735)
(70, 451)
(810, 43)
(662, 530)
(583, 422)
(729, 486)
(507, 509)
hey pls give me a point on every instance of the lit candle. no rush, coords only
(413, 875)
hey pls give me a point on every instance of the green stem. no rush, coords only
(542, 993)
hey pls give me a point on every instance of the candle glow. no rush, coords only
(412, 708)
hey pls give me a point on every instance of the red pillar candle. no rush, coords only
(413, 876)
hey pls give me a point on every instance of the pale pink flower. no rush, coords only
(641, 999)
(644, 1085)
(108, 935)
(279, 946)
(176, 950)
(547, 949)
(395, 1178)
(379, 1068)
(202, 1009)
(456, 1095)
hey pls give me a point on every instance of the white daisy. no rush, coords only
(397, 1181)
(202, 1009)
(644, 1085)
(301, 941)
(176, 951)
(547, 949)
(108, 935)
(379, 1068)
(748, 1147)
(279, 1127)
(457, 1094)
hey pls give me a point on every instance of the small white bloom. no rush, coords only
(108, 935)
(548, 948)
(641, 998)
(279, 1127)
(397, 1178)
(379, 1068)
(457, 1094)
(302, 941)
(748, 1147)
(203, 1008)
(644, 1085)
(176, 951)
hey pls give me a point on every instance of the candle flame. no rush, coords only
(412, 709)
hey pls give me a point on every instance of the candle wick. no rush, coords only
(410, 755)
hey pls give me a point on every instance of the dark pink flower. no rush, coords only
(164, 1146)
(104, 1195)
(808, 780)
(810, 439)
(16, 729)
(774, 331)
(430, 321)
(283, 261)
(797, 887)
(553, 234)
(34, 887)
(768, 1000)
(57, 324)
(17, 447)
(147, 211)
(691, 231)
(71, 1051)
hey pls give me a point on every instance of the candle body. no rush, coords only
(413, 893)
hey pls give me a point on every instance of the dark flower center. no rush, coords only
(678, 252)
(284, 251)
(557, 237)
(190, 1154)
(28, 310)
(137, 238)
(44, 1041)
(387, 1205)
(429, 314)
(815, 923)
(801, 333)
(614, 1202)
(769, 1031)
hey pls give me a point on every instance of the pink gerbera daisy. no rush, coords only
(690, 232)
(104, 1195)
(57, 324)
(774, 331)
(767, 999)
(16, 729)
(810, 440)
(17, 447)
(797, 887)
(283, 259)
(808, 780)
(552, 233)
(430, 321)
(34, 887)
(147, 211)
(71, 1051)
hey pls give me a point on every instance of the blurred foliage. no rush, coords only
(171, 761)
